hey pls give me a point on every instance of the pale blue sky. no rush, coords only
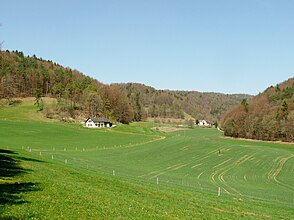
(229, 46)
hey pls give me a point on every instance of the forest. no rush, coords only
(80, 96)
(267, 116)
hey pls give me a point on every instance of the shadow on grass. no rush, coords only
(10, 191)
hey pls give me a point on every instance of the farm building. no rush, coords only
(204, 123)
(98, 123)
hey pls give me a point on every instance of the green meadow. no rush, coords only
(54, 170)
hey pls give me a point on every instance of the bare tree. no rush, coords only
(9, 87)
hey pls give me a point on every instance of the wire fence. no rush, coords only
(65, 156)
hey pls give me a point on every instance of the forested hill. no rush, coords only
(268, 116)
(79, 95)
(173, 104)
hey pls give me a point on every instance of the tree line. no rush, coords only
(268, 116)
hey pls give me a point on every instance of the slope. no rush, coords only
(268, 116)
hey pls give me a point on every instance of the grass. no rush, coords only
(256, 178)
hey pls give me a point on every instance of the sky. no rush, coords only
(228, 46)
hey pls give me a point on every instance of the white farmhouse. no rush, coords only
(98, 123)
(204, 123)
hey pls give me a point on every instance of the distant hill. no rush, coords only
(81, 96)
(268, 116)
(174, 104)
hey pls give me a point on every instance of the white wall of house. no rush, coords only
(90, 124)
(203, 123)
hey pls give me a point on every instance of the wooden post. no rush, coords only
(52, 157)
(113, 173)
(157, 181)
(219, 191)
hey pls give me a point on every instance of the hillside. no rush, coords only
(79, 96)
(268, 116)
(174, 104)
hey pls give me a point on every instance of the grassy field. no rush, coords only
(52, 170)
